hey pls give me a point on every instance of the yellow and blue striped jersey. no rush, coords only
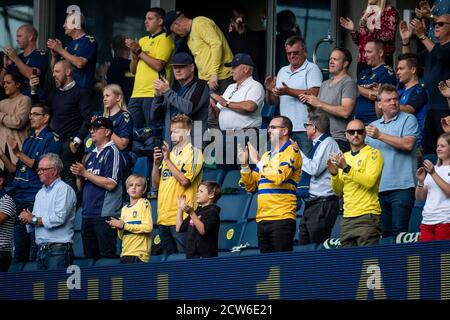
(189, 161)
(276, 183)
(136, 235)
(360, 185)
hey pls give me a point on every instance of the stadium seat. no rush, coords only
(230, 183)
(251, 213)
(306, 247)
(297, 230)
(268, 110)
(229, 234)
(118, 246)
(407, 237)
(154, 204)
(77, 246)
(216, 175)
(249, 237)
(176, 257)
(234, 207)
(107, 262)
(335, 232)
(83, 263)
(158, 258)
(141, 166)
(30, 266)
(16, 267)
(416, 217)
(250, 252)
(78, 219)
(386, 240)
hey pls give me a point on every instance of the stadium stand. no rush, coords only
(216, 175)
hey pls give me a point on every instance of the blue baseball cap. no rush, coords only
(182, 59)
(240, 58)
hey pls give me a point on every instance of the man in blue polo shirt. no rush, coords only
(370, 79)
(26, 180)
(30, 62)
(101, 182)
(413, 96)
(395, 135)
(81, 52)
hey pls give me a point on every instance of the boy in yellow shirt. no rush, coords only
(135, 224)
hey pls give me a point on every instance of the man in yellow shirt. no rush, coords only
(275, 178)
(210, 49)
(175, 173)
(150, 57)
(357, 176)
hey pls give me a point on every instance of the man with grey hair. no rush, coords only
(53, 216)
(321, 203)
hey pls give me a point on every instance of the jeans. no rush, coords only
(276, 235)
(171, 240)
(142, 114)
(54, 256)
(99, 239)
(24, 246)
(302, 140)
(396, 207)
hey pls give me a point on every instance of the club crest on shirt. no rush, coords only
(359, 162)
(134, 214)
(76, 47)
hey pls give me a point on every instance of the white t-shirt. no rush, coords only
(250, 89)
(437, 205)
(306, 77)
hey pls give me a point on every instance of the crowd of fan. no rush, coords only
(369, 143)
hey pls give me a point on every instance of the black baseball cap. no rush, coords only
(240, 58)
(101, 122)
(182, 59)
(170, 17)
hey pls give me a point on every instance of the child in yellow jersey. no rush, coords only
(135, 224)
(202, 225)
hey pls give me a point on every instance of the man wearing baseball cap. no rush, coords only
(209, 47)
(241, 103)
(100, 179)
(188, 95)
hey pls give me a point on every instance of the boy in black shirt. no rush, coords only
(202, 224)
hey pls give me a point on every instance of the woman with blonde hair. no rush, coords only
(378, 22)
(433, 186)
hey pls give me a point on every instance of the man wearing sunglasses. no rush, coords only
(395, 135)
(357, 175)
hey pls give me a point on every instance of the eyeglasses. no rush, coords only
(39, 170)
(352, 132)
(94, 129)
(306, 125)
(35, 114)
(276, 127)
(441, 23)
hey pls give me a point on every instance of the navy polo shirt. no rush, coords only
(26, 180)
(36, 59)
(365, 108)
(416, 97)
(85, 47)
(123, 127)
(97, 201)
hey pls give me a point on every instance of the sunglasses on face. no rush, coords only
(352, 132)
(441, 24)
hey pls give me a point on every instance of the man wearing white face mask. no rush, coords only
(378, 22)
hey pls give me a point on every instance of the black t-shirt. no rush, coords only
(203, 246)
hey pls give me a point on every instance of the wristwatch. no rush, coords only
(34, 221)
(227, 104)
(347, 169)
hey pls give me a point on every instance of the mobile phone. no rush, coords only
(161, 76)
(34, 72)
(407, 16)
